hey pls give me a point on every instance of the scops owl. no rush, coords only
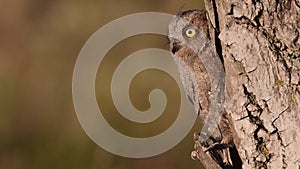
(200, 68)
(203, 78)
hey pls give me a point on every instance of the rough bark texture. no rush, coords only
(259, 42)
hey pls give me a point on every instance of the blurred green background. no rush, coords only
(39, 43)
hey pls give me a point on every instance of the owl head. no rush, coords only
(188, 28)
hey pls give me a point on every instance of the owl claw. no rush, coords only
(227, 160)
(194, 155)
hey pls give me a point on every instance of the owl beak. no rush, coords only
(175, 45)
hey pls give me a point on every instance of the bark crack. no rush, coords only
(277, 132)
(261, 147)
(217, 32)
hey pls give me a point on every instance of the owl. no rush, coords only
(203, 79)
(192, 71)
(201, 70)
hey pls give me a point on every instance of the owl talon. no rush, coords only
(194, 155)
(217, 146)
(227, 160)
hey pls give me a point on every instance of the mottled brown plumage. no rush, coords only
(183, 53)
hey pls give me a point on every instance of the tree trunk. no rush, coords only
(259, 42)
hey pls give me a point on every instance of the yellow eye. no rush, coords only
(190, 33)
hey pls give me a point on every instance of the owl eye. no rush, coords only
(190, 32)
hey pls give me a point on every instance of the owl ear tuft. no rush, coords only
(184, 14)
(179, 12)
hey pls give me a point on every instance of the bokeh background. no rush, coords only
(39, 43)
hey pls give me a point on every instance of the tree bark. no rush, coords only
(259, 43)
